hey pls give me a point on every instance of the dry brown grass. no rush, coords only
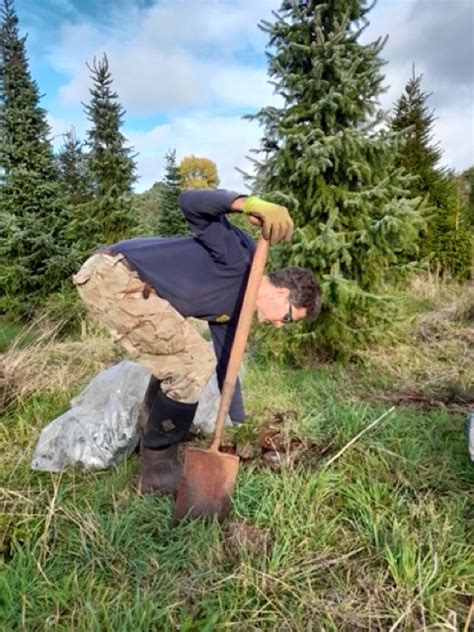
(436, 356)
(50, 364)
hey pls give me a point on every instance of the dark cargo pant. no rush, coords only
(149, 329)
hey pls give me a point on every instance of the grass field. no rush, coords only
(378, 539)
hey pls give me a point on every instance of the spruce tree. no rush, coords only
(110, 164)
(448, 239)
(81, 227)
(170, 220)
(72, 169)
(34, 259)
(468, 178)
(147, 208)
(418, 154)
(327, 151)
(444, 241)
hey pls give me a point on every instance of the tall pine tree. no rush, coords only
(170, 220)
(110, 163)
(468, 177)
(72, 169)
(445, 240)
(448, 239)
(418, 154)
(326, 150)
(147, 208)
(34, 259)
(467, 185)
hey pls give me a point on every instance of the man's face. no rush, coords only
(276, 309)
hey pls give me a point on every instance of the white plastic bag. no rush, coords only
(470, 434)
(101, 428)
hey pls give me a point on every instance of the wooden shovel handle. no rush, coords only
(241, 336)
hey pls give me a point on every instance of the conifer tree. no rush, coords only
(170, 220)
(468, 177)
(72, 169)
(110, 163)
(82, 229)
(444, 241)
(147, 208)
(326, 150)
(448, 240)
(33, 256)
(418, 154)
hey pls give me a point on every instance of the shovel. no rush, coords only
(208, 477)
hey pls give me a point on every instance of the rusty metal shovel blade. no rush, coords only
(206, 485)
(208, 477)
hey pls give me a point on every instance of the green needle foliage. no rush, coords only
(72, 169)
(414, 120)
(449, 239)
(110, 164)
(110, 161)
(34, 258)
(326, 148)
(468, 178)
(445, 240)
(170, 221)
(147, 205)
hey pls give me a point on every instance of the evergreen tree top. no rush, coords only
(24, 141)
(413, 117)
(74, 177)
(17, 76)
(110, 162)
(171, 221)
(104, 111)
(328, 80)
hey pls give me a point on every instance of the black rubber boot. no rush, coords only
(154, 385)
(160, 471)
(168, 422)
(167, 425)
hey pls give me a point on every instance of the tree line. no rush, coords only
(57, 209)
(370, 199)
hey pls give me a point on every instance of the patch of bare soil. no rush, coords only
(450, 398)
(273, 448)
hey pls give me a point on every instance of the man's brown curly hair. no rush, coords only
(304, 289)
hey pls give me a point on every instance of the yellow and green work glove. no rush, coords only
(276, 221)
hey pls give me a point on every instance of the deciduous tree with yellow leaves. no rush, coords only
(198, 173)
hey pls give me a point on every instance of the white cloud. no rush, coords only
(241, 86)
(224, 139)
(455, 131)
(174, 54)
(182, 60)
(436, 36)
(60, 125)
(144, 81)
(194, 64)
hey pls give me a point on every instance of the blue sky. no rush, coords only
(187, 70)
